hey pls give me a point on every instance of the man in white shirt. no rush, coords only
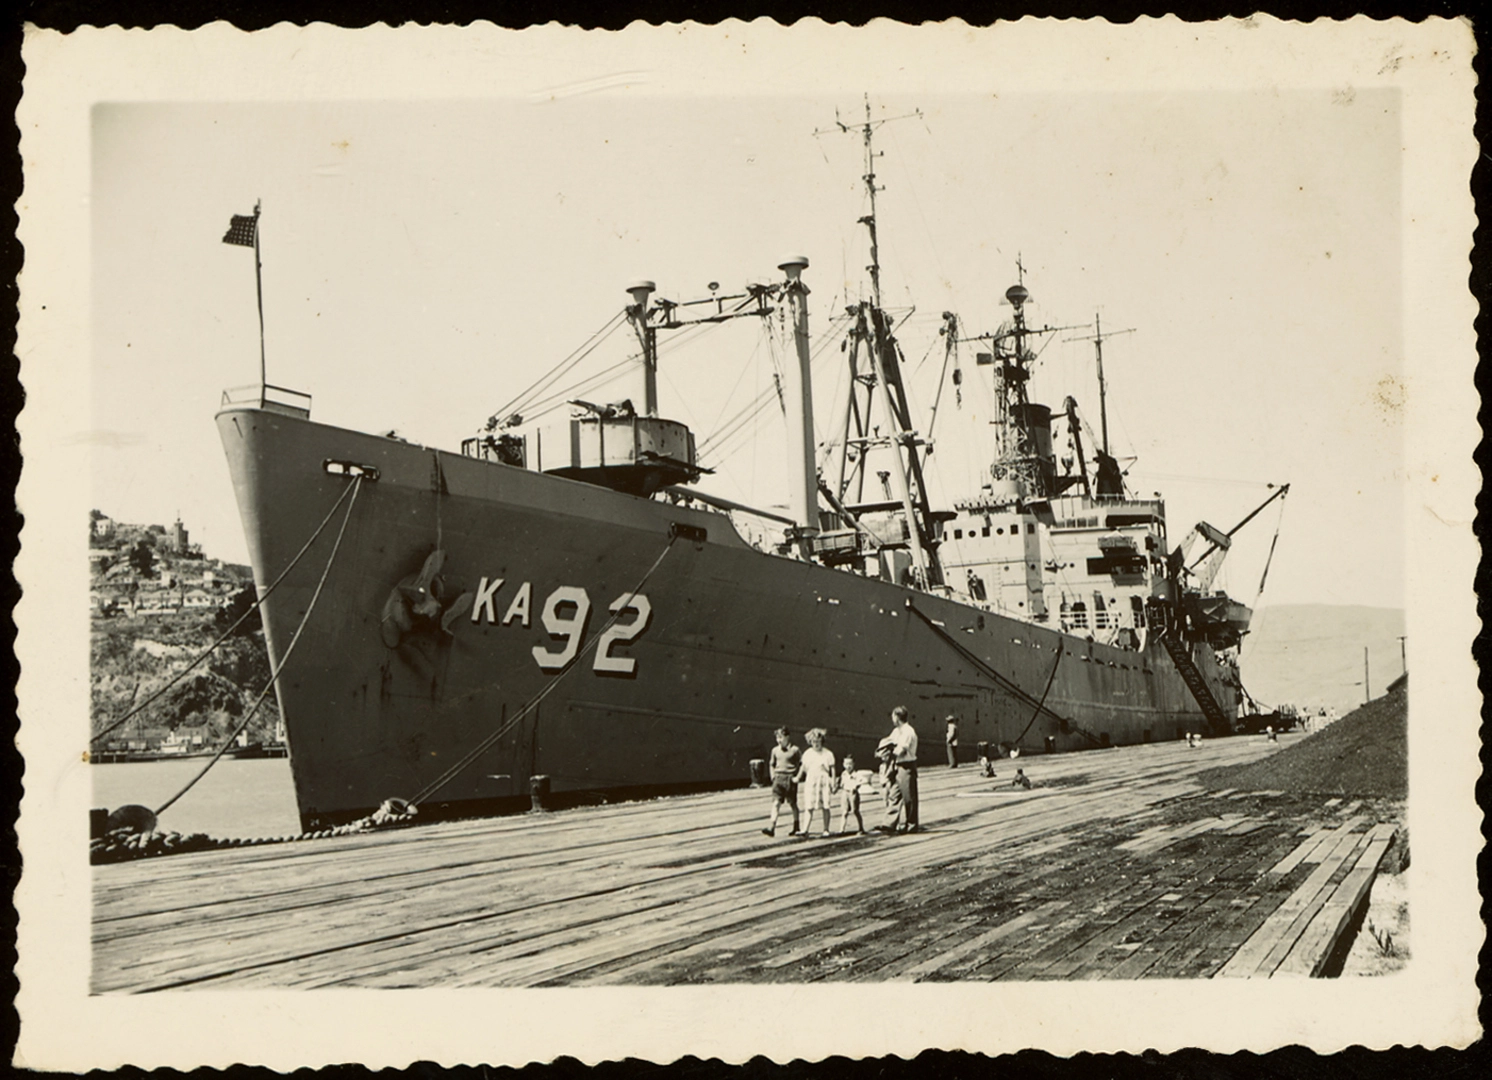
(904, 741)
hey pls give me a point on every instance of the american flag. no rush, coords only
(241, 231)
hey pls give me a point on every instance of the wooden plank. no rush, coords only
(1294, 859)
(1263, 951)
(672, 890)
(1329, 840)
(1319, 939)
(976, 944)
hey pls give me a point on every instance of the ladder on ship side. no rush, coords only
(1182, 658)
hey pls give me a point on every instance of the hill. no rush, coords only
(1310, 655)
(1364, 754)
(157, 603)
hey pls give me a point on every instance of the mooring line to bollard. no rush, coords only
(1061, 649)
(1000, 680)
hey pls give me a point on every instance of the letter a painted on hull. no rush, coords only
(518, 609)
(483, 602)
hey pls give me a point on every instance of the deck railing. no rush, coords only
(278, 399)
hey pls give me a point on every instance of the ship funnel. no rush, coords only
(640, 291)
(1017, 295)
(793, 266)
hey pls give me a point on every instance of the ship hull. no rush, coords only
(682, 689)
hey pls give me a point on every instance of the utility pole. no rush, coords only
(1367, 693)
(1403, 655)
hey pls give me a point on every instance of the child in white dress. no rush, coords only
(817, 778)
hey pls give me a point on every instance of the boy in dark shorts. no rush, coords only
(786, 760)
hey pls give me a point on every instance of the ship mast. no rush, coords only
(874, 327)
(1098, 337)
(647, 337)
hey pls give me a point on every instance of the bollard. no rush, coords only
(98, 822)
(538, 791)
(1051, 744)
(759, 776)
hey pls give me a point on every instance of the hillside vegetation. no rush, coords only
(133, 658)
(157, 604)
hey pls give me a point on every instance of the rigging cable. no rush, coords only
(713, 444)
(563, 366)
(274, 675)
(1279, 521)
(533, 703)
(226, 634)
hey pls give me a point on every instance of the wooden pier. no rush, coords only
(1116, 865)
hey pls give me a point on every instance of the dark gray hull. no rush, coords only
(737, 641)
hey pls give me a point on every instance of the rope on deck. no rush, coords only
(124, 845)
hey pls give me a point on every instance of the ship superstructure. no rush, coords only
(561, 600)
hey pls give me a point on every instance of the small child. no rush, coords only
(1020, 780)
(891, 790)
(786, 759)
(849, 795)
(817, 777)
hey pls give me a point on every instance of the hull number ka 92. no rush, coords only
(564, 614)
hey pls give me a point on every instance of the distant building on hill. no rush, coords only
(176, 538)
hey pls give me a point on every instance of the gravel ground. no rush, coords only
(1364, 754)
(1382, 945)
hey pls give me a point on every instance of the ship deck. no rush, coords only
(1118, 864)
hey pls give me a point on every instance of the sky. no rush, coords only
(425, 261)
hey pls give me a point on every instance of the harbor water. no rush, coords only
(237, 798)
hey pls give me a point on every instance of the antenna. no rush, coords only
(1097, 337)
(869, 221)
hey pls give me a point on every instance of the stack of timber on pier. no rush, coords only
(1117, 865)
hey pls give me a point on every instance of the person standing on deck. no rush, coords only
(817, 777)
(951, 739)
(786, 760)
(904, 743)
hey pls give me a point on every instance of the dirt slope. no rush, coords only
(1364, 754)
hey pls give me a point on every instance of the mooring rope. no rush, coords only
(274, 675)
(482, 747)
(226, 634)
(1061, 649)
(1000, 680)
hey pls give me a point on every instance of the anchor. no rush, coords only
(422, 602)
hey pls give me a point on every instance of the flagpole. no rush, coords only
(259, 291)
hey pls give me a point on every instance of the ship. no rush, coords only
(565, 608)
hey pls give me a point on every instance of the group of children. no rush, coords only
(814, 769)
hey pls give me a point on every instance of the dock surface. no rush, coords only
(1118, 864)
